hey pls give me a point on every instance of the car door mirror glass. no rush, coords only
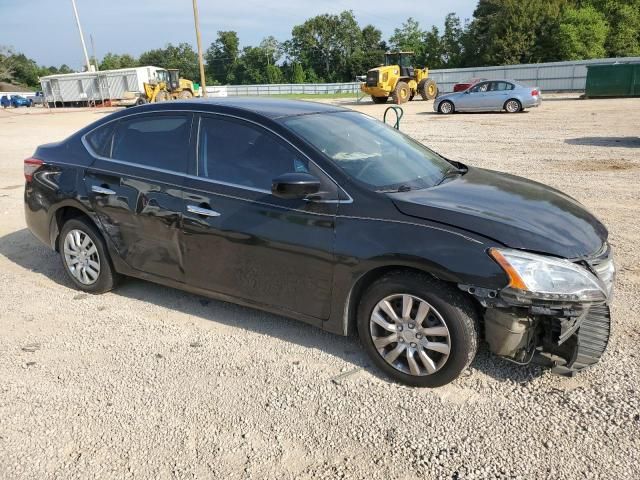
(295, 185)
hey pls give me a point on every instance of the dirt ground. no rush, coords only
(150, 382)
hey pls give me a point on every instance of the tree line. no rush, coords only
(334, 47)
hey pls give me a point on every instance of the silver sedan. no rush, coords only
(489, 96)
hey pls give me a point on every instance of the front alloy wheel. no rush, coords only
(410, 334)
(445, 107)
(418, 330)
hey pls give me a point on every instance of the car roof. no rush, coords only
(484, 80)
(268, 107)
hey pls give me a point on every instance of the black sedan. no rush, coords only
(326, 215)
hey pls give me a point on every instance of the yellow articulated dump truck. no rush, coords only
(399, 79)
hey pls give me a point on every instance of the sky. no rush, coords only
(45, 30)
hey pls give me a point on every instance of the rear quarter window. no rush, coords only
(100, 139)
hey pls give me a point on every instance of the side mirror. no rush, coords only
(295, 185)
(467, 92)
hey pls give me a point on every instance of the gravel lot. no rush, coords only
(150, 382)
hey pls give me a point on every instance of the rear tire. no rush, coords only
(85, 258)
(379, 100)
(438, 336)
(185, 94)
(512, 106)
(401, 93)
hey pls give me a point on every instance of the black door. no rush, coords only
(242, 241)
(135, 187)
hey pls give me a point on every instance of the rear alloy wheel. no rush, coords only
(401, 93)
(446, 107)
(512, 106)
(418, 330)
(85, 258)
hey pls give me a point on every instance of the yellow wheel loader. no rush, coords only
(168, 86)
(398, 79)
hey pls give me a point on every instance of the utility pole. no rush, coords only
(196, 19)
(84, 46)
(93, 52)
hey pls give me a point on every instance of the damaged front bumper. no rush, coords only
(564, 336)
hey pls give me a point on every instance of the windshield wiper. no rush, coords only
(401, 188)
(451, 173)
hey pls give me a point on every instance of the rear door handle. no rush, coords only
(205, 212)
(102, 190)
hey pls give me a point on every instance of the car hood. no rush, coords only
(514, 211)
(449, 95)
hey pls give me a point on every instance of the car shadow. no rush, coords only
(623, 142)
(471, 114)
(23, 249)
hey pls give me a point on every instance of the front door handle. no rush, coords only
(102, 190)
(205, 212)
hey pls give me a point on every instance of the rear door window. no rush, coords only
(154, 140)
(500, 86)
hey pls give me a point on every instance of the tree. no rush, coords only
(18, 68)
(181, 56)
(6, 64)
(410, 37)
(506, 32)
(582, 33)
(370, 52)
(434, 52)
(451, 41)
(624, 32)
(297, 73)
(222, 57)
(324, 45)
(112, 61)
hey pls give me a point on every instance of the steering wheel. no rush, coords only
(364, 169)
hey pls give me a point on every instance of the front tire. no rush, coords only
(418, 330)
(85, 257)
(446, 107)
(401, 93)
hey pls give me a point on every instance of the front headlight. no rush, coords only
(546, 278)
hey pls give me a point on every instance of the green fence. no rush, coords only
(617, 80)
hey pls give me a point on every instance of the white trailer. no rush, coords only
(89, 88)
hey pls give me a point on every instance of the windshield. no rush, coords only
(372, 152)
